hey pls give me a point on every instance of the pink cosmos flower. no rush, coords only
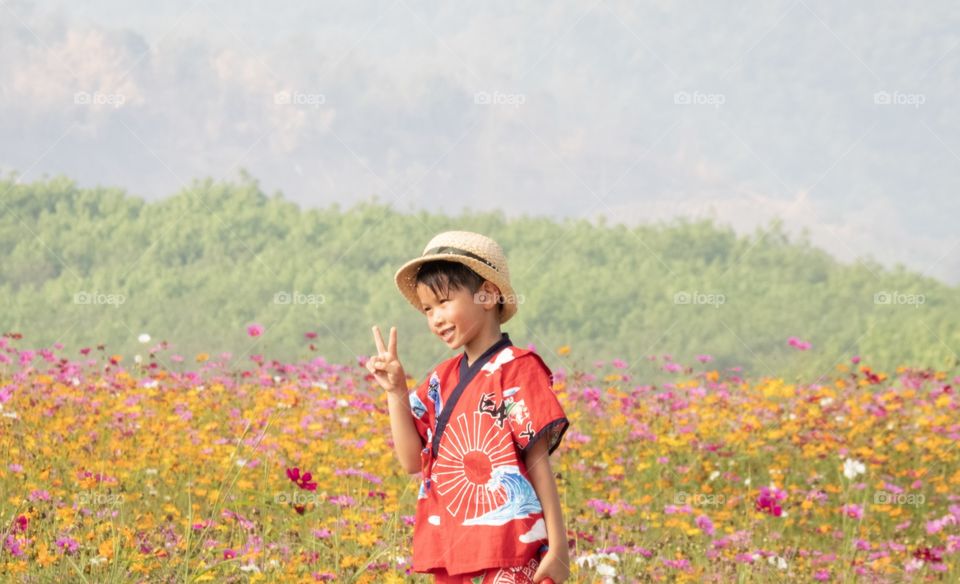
(255, 330)
(67, 545)
(798, 344)
(768, 501)
(854, 511)
(704, 523)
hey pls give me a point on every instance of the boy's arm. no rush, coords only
(541, 476)
(406, 439)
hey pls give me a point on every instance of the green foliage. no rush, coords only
(196, 268)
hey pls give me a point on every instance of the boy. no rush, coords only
(481, 426)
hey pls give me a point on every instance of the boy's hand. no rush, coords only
(385, 366)
(553, 568)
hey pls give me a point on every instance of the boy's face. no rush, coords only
(456, 315)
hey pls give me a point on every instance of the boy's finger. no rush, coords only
(378, 339)
(393, 342)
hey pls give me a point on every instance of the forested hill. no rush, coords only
(91, 266)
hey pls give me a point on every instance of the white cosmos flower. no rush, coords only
(144, 338)
(852, 468)
(781, 563)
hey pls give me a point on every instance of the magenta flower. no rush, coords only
(768, 501)
(303, 481)
(704, 358)
(798, 344)
(255, 330)
(681, 564)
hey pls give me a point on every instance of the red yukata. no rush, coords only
(477, 509)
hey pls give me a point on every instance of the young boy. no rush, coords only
(481, 426)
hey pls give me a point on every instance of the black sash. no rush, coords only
(466, 376)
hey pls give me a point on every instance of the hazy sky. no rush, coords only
(843, 119)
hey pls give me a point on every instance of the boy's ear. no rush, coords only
(492, 291)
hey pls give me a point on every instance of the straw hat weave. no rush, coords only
(478, 252)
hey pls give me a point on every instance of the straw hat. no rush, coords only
(478, 252)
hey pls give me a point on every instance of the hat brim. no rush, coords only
(406, 280)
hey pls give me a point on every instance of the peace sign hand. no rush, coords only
(385, 366)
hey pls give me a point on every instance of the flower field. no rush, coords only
(216, 468)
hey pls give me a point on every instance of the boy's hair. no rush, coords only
(441, 275)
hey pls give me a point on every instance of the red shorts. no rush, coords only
(519, 575)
